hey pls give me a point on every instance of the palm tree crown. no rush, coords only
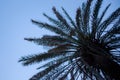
(87, 48)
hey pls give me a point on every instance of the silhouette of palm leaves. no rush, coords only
(87, 48)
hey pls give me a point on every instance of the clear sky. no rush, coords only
(15, 16)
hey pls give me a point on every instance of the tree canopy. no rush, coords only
(84, 48)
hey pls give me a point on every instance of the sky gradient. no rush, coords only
(15, 25)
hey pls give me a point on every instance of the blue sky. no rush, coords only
(15, 16)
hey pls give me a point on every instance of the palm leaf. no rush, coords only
(103, 13)
(115, 29)
(86, 16)
(69, 18)
(66, 73)
(60, 17)
(44, 72)
(47, 40)
(113, 40)
(27, 60)
(109, 20)
(64, 47)
(58, 24)
(60, 71)
(95, 18)
(79, 23)
(61, 59)
(49, 27)
(54, 29)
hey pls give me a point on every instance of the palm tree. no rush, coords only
(87, 48)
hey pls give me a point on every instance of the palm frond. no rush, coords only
(64, 47)
(115, 29)
(54, 29)
(47, 40)
(114, 46)
(108, 21)
(44, 72)
(79, 23)
(27, 60)
(58, 24)
(61, 59)
(86, 16)
(103, 13)
(57, 72)
(49, 27)
(69, 18)
(113, 40)
(78, 19)
(54, 21)
(95, 18)
(60, 71)
(74, 29)
(60, 17)
(101, 18)
(66, 73)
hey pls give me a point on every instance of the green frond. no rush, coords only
(44, 72)
(96, 9)
(95, 18)
(114, 46)
(79, 24)
(78, 18)
(115, 29)
(64, 47)
(72, 74)
(47, 40)
(59, 71)
(103, 13)
(61, 19)
(111, 33)
(101, 18)
(54, 29)
(54, 21)
(86, 16)
(27, 60)
(76, 73)
(66, 72)
(108, 21)
(82, 71)
(113, 40)
(74, 28)
(50, 27)
(61, 59)
(69, 18)
(58, 24)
